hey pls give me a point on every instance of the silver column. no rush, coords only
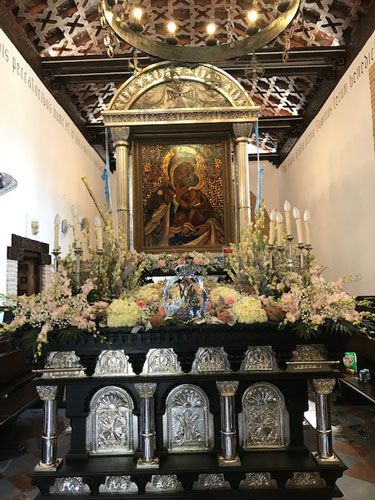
(228, 431)
(323, 388)
(49, 460)
(147, 428)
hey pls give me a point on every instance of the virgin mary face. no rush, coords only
(183, 172)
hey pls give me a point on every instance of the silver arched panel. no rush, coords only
(263, 422)
(187, 422)
(111, 425)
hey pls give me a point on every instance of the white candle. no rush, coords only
(98, 234)
(297, 217)
(271, 238)
(56, 230)
(279, 220)
(306, 218)
(76, 227)
(288, 220)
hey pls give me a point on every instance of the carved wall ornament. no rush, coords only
(111, 426)
(63, 359)
(258, 358)
(118, 485)
(324, 385)
(159, 87)
(120, 134)
(211, 482)
(257, 480)
(211, 360)
(187, 422)
(312, 354)
(164, 483)
(47, 392)
(161, 361)
(306, 480)
(113, 362)
(263, 422)
(69, 486)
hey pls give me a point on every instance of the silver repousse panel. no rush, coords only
(111, 426)
(113, 362)
(308, 357)
(164, 483)
(63, 359)
(306, 480)
(263, 421)
(118, 485)
(211, 360)
(69, 486)
(161, 361)
(257, 480)
(187, 422)
(211, 482)
(258, 358)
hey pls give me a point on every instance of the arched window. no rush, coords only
(111, 425)
(188, 424)
(263, 421)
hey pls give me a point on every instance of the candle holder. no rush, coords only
(308, 249)
(271, 249)
(289, 252)
(56, 254)
(78, 255)
(301, 256)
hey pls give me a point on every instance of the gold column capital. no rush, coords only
(120, 135)
(242, 132)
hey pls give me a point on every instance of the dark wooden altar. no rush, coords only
(292, 470)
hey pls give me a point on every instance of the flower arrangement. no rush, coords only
(55, 308)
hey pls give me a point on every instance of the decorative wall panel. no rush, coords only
(161, 362)
(63, 359)
(188, 424)
(111, 425)
(113, 362)
(211, 482)
(211, 359)
(69, 486)
(258, 358)
(120, 485)
(263, 421)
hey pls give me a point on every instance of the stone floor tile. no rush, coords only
(356, 489)
(22, 482)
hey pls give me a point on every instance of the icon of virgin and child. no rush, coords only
(179, 213)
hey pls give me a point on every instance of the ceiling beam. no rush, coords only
(363, 32)
(312, 61)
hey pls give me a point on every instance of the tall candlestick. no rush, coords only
(288, 221)
(297, 218)
(279, 220)
(76, 227)
(306, 218)
(271, 238)
(56, 230)
(98, 234)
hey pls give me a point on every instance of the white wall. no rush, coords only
(44, 151)
(331, 171)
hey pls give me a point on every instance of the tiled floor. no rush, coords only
(354, 442)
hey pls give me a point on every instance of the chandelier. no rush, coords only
(126, 24)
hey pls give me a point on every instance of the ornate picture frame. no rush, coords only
(183, 193)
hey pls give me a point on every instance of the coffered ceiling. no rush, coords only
(68, 38)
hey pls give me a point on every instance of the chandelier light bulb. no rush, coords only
(211, 28)
(137, 13)
(172, 27)
(252, 16)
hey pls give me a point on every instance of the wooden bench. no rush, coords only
(17, 393)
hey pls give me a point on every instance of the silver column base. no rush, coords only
(150, 464)
(223, 462)
(333, 459)
(41, 467)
